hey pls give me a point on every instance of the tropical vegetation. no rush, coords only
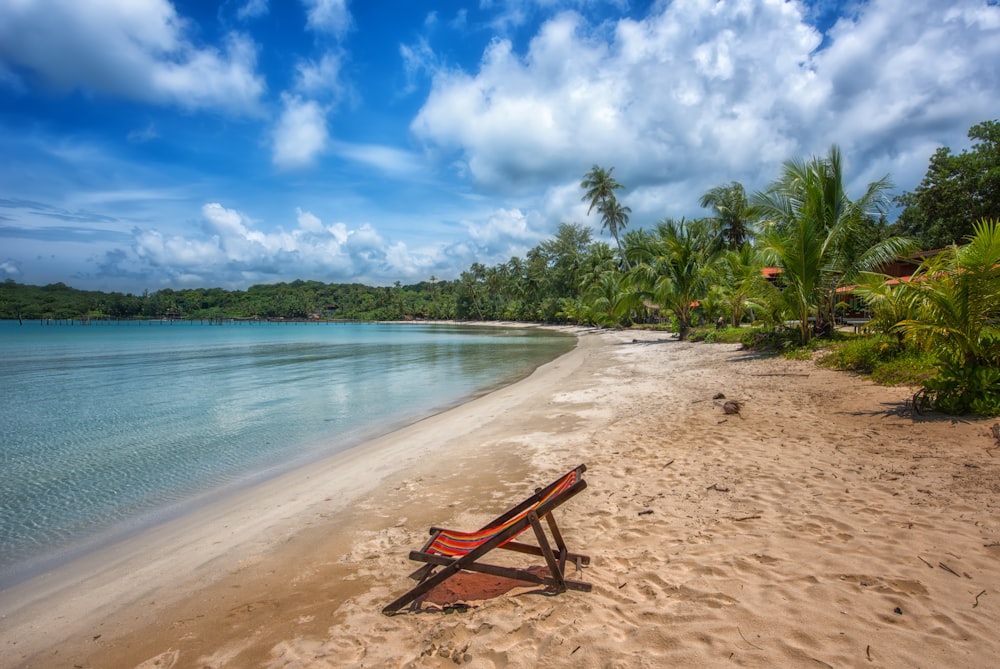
(772, 268)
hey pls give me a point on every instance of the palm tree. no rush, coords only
(600, 186)
(734, 215)
(959, 293)
(610, 300)
(741, 283)
(889, 301)
(811, 226)
(674, 268)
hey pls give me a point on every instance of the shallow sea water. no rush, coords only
(105, 429)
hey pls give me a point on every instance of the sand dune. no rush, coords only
(822, 525)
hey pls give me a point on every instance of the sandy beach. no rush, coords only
(823, 525)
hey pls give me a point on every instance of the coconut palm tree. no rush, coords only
(959, 314)
(741, 284)
(600, 186)
(734, 215)
(811, 228)
(889, 301)
(610, 300)
(673, 269)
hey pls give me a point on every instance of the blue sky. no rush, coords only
(148, 143)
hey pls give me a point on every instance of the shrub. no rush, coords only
(861, 354)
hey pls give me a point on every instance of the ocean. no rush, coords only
(106, 429)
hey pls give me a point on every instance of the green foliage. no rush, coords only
(295, 300)
(889, 303)
(956, 191)
(673, 266)
(882, 357)
(770, 340)
(599, 190)
(958, 294)
(909, 368)
(861, 354)
(723, 336)
(734, 217)
(817, 235)
(960, 387)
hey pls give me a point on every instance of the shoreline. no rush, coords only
(90, 584)
(313, 449)
(789, 534)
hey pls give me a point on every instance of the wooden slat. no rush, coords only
(536, 509)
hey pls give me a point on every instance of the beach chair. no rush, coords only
(448, 552)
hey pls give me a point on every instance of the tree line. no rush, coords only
(783, 257)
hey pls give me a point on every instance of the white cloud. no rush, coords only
(301, 133)
(319, 77)
(137, 49)
(418, 58)
(503, 226)
(308, 221)
(172, 253)
(328, 16)
(386, 159)
(232, 250)
(701, 92)
(253, 9)
(9, 269)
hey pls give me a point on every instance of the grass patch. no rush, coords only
(882, 358)
(715, 336)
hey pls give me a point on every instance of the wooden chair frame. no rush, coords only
(499, 533)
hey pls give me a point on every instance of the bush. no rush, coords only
(777, 340)
(724, 336)
(882, 358)
(909, 368)
(861, 354)
(962, 386)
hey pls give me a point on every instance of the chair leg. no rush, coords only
(423, 587)
(550, 559)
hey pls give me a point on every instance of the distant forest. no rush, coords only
(296, 300)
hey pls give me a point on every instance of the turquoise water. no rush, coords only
(105, 429)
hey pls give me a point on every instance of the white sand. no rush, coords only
(822, 526)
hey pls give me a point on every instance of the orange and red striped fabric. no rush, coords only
(453, 543)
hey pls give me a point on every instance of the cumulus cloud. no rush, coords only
(301, 133)
(232, 250)
(502, 229)
(136, 49)
(700, 88)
